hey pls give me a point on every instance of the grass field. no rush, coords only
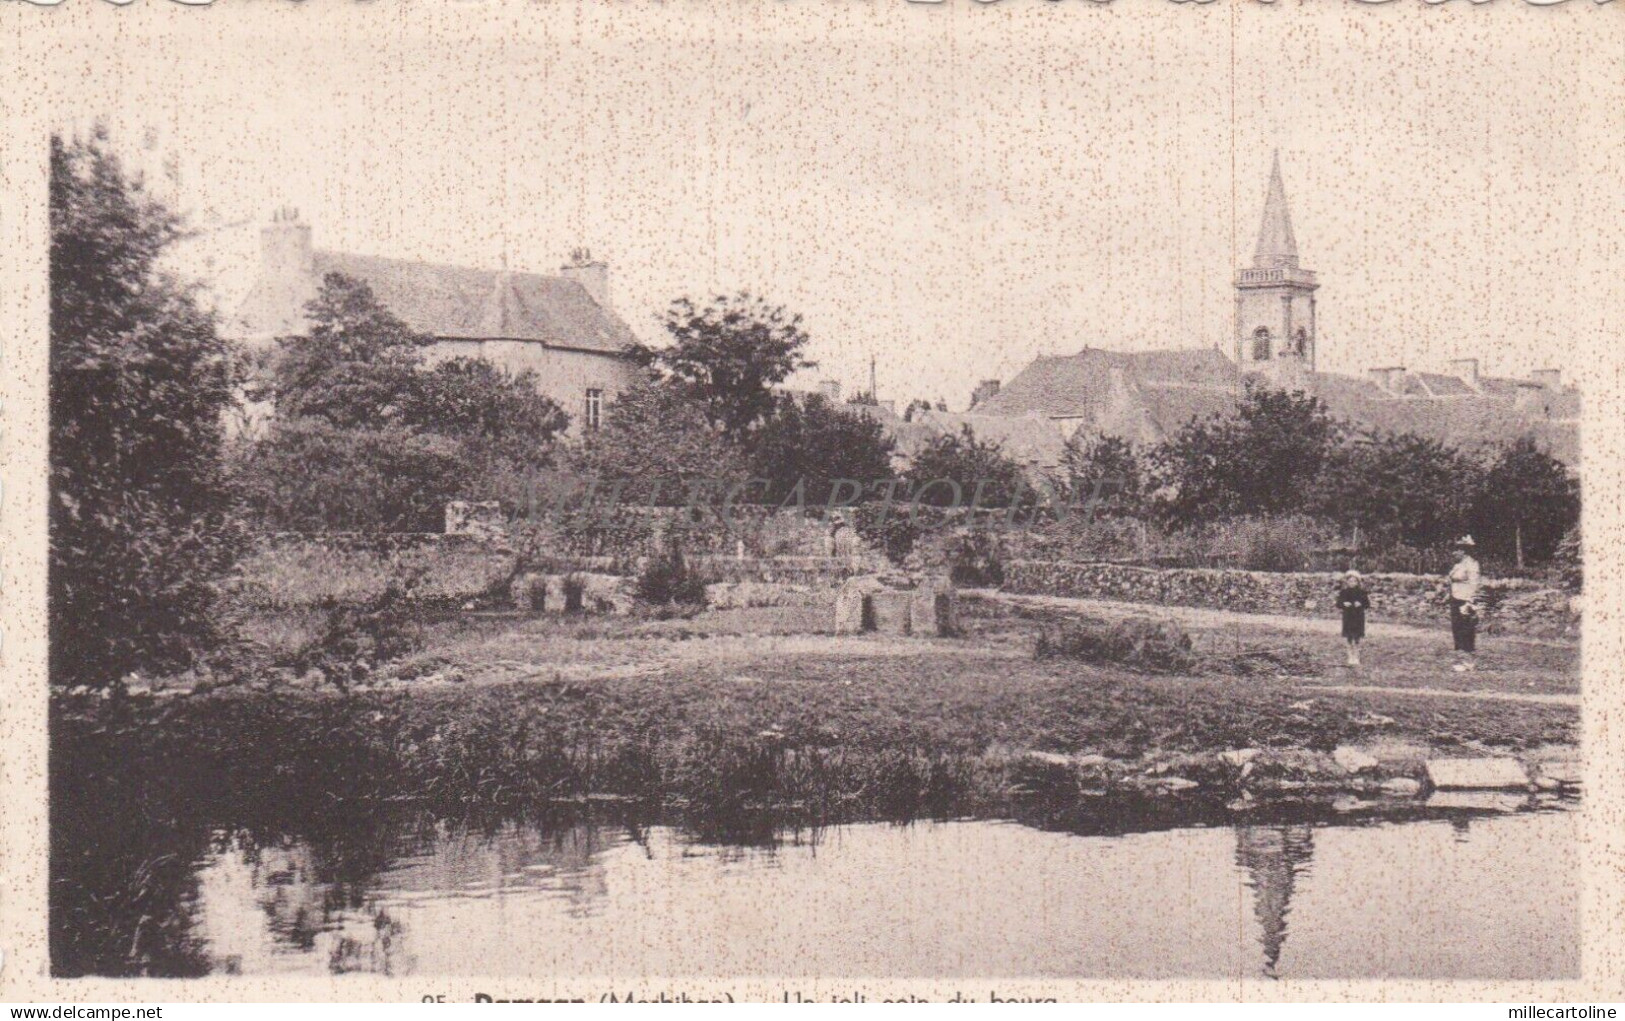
(767, 706)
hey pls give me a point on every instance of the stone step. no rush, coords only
(1477, 774)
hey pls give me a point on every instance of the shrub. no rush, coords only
(354, 639)
(1154, 644)
(976, 559)
(888, 530)
(959, 470)
(810, 452)
(1271, 550)
(667, 580)
(574, 585)
(311, 476)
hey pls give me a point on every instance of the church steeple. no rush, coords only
(1275, 297)
(1277, 247)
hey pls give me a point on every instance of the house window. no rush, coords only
(1300, 342)
(1261, 344)
(595, 408)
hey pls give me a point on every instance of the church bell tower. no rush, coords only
(1275, 298)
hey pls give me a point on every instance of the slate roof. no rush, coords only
(1079, 385)
(1440, 385)
(1147, 396)
(456, 302)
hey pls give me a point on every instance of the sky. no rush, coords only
(952, 189)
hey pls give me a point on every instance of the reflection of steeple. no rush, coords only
(1274, 857)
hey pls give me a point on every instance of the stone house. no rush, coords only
(562, 326)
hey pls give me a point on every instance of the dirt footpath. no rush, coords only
(1206, 618)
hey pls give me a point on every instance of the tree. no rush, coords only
(659, 446)
(474, 400)
(814, 443)
(1263, 460)
(359, 364)
(919, 405)
(1399, 486)
(369, 439)
(957, 469)
(728, 356)
(1104, 470)
(141, 523)
(1526, 502)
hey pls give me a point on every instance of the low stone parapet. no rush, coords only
(1511, 605)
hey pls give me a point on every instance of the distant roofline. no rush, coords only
(461, 267)
(443, 339)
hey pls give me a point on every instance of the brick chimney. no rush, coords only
(1466, 369)
(985, 389)
(592, 274)
(1550, 379)
(285, 245)
(830, 389)
(275, 305)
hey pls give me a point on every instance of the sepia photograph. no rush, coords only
(977, 494)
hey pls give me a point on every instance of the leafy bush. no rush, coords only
(1567, 560)
(727, 356)
(1265, 459)
(1153, 644)
(1103, 473)
(1397, 489)
(354, 639)
(142, 523)
(957, 470)
(1271, 550)
(889, 531)
(667, 580)
(312, 476)
(976, 559)
(1527, 502)
(807, 448)
(656, 448)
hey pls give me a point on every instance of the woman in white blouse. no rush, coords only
(1464, 604)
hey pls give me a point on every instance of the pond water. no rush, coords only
(1475, 891)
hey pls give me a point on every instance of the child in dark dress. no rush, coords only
(1353, 600)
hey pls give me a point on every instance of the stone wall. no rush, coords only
(1513, 606)
(296, 569)
(813, 572)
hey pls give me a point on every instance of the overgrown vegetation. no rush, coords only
(355, 638)
(1393, 500)
(370, 437)
(1153, 644)
(141, 522)
(668, 582)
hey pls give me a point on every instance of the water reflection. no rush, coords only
(954, 898)
(1274, 857)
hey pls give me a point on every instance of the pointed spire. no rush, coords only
(1277, 248)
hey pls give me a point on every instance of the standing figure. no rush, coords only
(1353, 600)
(1464, 604)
